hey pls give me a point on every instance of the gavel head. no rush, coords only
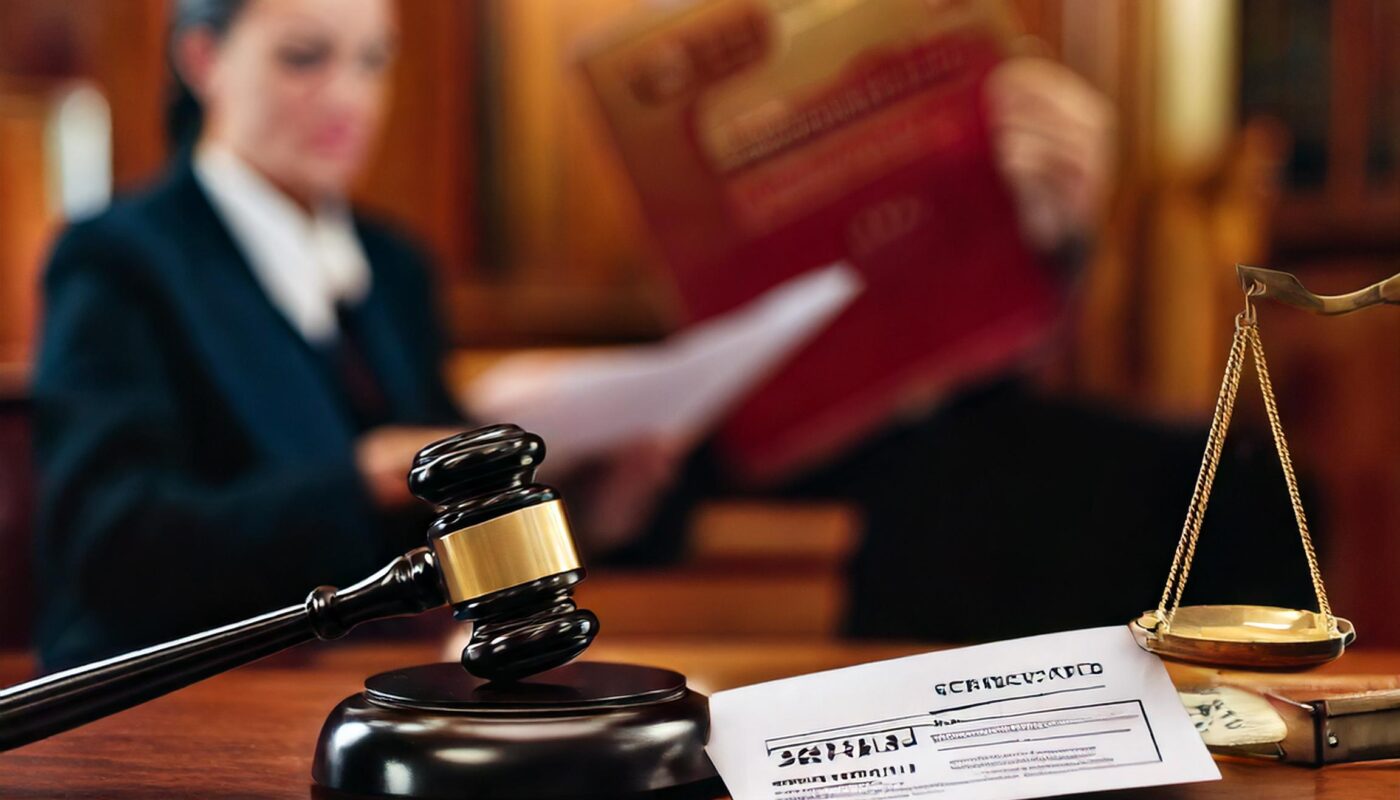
(504, 550)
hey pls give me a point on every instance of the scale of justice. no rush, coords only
(518, 717)
(1246, 636)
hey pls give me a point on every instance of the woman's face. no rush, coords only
(296, 87)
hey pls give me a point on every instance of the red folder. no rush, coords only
(769, 138)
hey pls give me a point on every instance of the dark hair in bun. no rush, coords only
(184, 116)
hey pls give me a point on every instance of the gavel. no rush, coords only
(499, 552)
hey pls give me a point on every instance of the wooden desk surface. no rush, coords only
(250, 733)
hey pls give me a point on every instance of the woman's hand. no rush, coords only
(384, 456)
(1053, 137)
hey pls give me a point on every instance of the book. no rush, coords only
(766, 138)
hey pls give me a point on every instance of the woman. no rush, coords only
(235, 369)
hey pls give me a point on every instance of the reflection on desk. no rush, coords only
(250, 733)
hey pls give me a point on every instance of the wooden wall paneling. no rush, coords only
(1113, 46)
(570, 253)
(26, 219)
(114, 44)
(1348, 115)
(1354, 210)
(1158, 297)
(118, 45)
(123, 51)
(422, 173)
(1385, 93)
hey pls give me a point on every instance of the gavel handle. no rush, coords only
(55, 703)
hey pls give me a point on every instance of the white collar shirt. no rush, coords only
(308, 265)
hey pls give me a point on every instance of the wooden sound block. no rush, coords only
(586, 729)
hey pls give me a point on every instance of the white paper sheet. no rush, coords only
(592, 403)
(1069, 712)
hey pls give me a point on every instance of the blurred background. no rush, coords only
(1258, 131)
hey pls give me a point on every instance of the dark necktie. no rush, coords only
(364, 395)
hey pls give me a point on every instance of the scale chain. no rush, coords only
(1246, 336)
(1200, 495)
(1281, 444)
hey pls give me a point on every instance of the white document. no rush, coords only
(1068, 712)
(591, 403)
